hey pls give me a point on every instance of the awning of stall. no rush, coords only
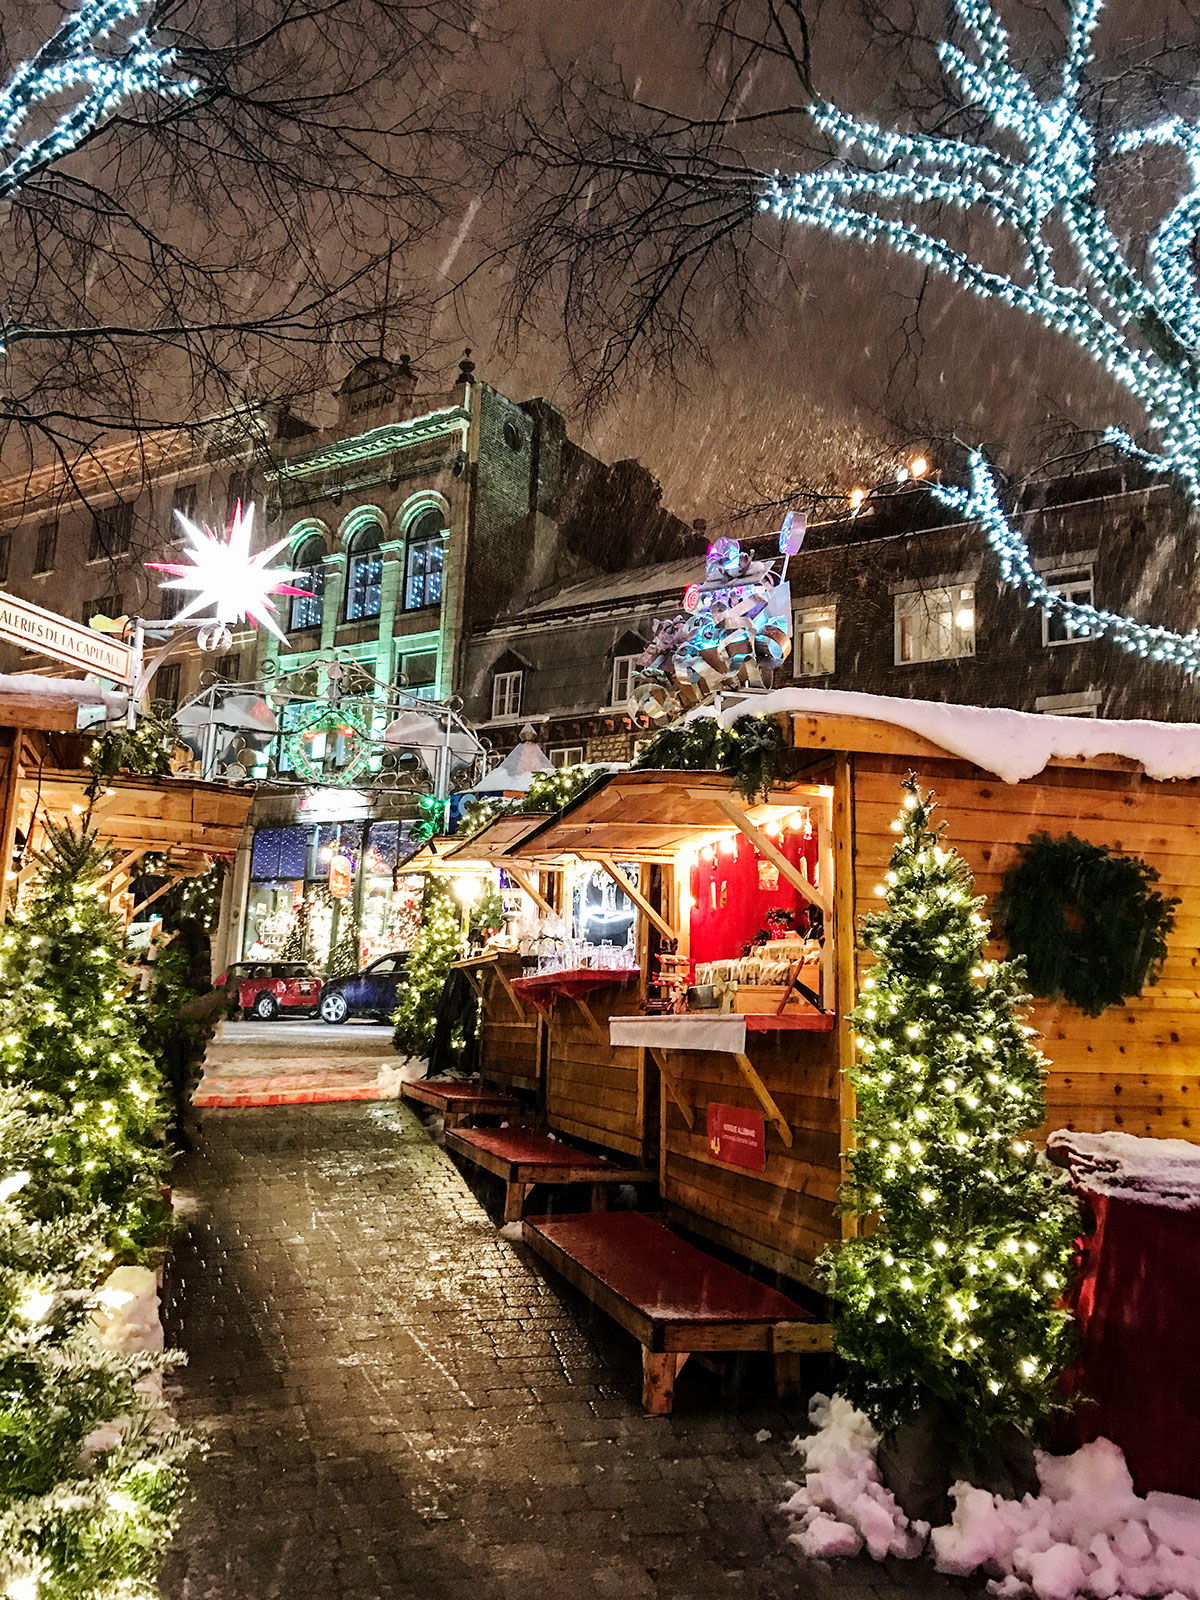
(184, 818)
(430, 856)
(651, 816)
(29, 700)
(489, 845)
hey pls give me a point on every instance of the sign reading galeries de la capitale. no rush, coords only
(48, 634)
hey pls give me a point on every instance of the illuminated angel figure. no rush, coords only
(227, 577)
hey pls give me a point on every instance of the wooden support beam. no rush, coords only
(8, 816)
(511, 993)
(660, 1368)
(766, 847)
(123, 865)
(764, 1097)
(150, 899)
(827, 874)
(588, 1015)
(636, 895)
(523, 881)
(843, 936)
(671, 1086)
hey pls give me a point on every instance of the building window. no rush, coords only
(108, 605)
(1073, 583)
(814, 642)
(425, 560)
(418, 673)
(241, 488)
(47, 545)
(112, 530)
(308, 563)
(170, 603)
(621, 681)
(935, 624)
(506, 694)
(5, 551)
(165, 693)
(1084, 703)
(184, 501)
(567, 755)
(364, 574)
(228, 669)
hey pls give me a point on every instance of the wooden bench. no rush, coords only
(457, 1101)
(525, 1156)
(674, 1298)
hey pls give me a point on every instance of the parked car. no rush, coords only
(369, 993)
(270, 989)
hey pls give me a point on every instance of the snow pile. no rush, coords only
(1012, 744)
(406, 1069)
(844, 1504)
(1161, 1172)
(126, 1315)
(1086, 1536)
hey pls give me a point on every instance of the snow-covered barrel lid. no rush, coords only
(1159, 1172)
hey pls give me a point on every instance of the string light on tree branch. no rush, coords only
(1134, 312)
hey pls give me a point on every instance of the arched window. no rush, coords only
(364, 574)
(307, 608)
(424, 560)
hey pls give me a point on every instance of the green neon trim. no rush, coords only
(377, 442)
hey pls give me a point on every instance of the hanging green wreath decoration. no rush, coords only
(1091, 928)
(334, 719)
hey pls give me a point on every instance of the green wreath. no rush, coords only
(1091, 929)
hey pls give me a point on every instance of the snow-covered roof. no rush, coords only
(1161, 1172)
(516, 772)
(1014, 745)
(647, 584)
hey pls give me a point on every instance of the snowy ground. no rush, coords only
(1086, 1536)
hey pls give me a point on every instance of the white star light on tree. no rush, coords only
(227, 577)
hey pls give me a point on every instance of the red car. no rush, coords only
(270, 989)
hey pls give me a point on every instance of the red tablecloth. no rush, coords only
(541, 988)
(1138, 1309)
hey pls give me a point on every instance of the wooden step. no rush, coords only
(525, 1156)
(459, 1100)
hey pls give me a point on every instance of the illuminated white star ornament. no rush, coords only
(226, 576)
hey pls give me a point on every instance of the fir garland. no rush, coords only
(753, 752)
(955, 1298)
(1091, 928)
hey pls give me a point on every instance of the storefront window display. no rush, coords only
(601, 913)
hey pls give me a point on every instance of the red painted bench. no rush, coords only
(458, 1100)
(673, 1297)
(525, 1156)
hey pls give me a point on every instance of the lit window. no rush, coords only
(567, 755)
(1073, 583)
(622, 680)
(307, 609)
(424, 561)
(364, 574)
(814, 641)
(935, 624)
(506, 694)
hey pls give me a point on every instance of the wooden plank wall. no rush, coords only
(509, 1046)
(784, 1216)
(593, 1091)
(1134, 1067)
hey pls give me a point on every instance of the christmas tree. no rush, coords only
(69, 1036)
(955, 1298)
(90, 1468)
(439, 944)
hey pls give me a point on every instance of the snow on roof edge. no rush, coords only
(1162, 1172)
(1013, 745)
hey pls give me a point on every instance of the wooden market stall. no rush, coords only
(754, 1108)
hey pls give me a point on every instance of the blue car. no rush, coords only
(369, 993)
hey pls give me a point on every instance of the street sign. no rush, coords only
(48, 634)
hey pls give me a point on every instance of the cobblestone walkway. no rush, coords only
(399, 1405)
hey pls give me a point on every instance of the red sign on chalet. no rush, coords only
(737, 1137)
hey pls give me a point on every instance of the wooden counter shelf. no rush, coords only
(523, 1157)
(673, 1297)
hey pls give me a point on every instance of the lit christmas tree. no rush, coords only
(90, 1468)
(439, 944)
(69, 1034)
(1041, 181)
(954, 1298)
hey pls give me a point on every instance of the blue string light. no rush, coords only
(1038, 184)
(69, 63)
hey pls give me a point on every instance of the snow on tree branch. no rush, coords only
(1141, 324)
